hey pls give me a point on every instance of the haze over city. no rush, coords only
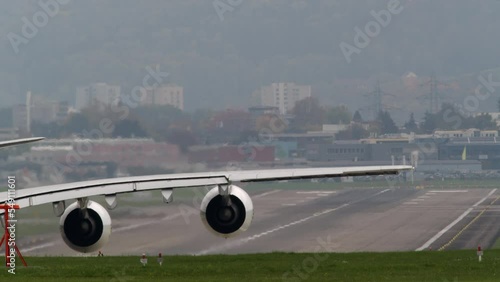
(291, 140)
(222, 54)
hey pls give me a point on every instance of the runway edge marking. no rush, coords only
(468, 225)
(447, 228)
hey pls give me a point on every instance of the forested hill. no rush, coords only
(224, 58)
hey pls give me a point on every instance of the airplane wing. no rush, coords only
(9, 143)
(111, 187)
(226, 210)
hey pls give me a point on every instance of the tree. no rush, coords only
(387, 124)
(76, 124)
(308, 115)
(248, 136)
(357, 117)
(429, 123)
(51, 130)
(411, 125)
(338, 115)
(483, 121)
(354, 132)
(160, 116)
(182, 138)
(128, 129)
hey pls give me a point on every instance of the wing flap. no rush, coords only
(308, 173)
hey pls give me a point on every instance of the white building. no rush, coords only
(94, 94)
(465, 133)
(281, 95)
(164, 95)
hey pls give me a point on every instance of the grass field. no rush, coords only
(402, 266)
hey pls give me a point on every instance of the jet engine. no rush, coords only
(228, 215)
(87, 229)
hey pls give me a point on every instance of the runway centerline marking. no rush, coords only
(316, 192)
(38, 247)
(410, 203)
(266, 194)
(449, 191)
(447, 228)
(243, 241)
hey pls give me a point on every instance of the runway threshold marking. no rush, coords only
(468, 225)
(447, 228)
(281, 227)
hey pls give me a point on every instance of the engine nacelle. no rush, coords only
(227, 220)
(82, 234)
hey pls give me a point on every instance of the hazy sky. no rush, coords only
(221, 51)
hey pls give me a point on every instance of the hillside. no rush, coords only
(257, 42)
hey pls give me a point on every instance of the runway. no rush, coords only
(350, 220)
(480, 227)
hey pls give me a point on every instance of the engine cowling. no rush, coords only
(223, 219)
(89, 234)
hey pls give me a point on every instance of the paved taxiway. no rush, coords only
(288, 220)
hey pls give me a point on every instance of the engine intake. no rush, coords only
(85, 234)
(227, 218)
